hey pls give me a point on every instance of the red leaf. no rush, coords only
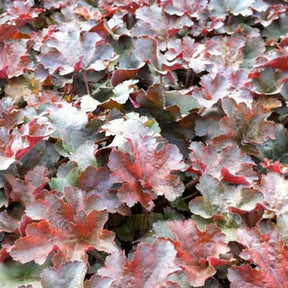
(144, 170)
(66, 228)
(45, 97)
(97, 183)
(14, 58)
(6, 29)
(227, 176)
(95, 180)
(27, 190)
(280, 63)
(17, 14)
(245, 126)
(68, 49)
(268, 252)
(10, 116)
(88, 14)
(245, 276)
(197, 251)
(111, 6)
(274, 166)
(121, 75)
(150, 266)
(8, 223)
(220, 162)
(31, 134)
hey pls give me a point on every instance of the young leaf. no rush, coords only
(184, 102)
(7, 157)
(276, 149)
(14, 274)
(218, 198)
(273, 187)
(71, 128)
(68, 275)
(122, 91)
(132, 123)
(277, 29)
(244, 8)
(66, 175)
(84, 156)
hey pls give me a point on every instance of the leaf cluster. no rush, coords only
(143, 143)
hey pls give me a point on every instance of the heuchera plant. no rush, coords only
(143, 144)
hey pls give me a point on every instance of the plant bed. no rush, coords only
(143, 143)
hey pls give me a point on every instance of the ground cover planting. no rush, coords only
(143, 144)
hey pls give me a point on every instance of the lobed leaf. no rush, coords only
(68, 275)
(26, 191)
(14, 58)
(14, 274)
(219, 162)
(65, 228)
(245, 126)
(75, 44)
(150, 266)
(198, 252)
(72, 128)
(218, 198)
(273, 187)
(268, 253)
(145, 170)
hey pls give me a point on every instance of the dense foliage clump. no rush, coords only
(143, 143)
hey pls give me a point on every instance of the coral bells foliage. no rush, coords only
(144, 170)
(143, 143)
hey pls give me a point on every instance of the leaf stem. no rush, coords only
(105, 139)
(86, 82)
(144, 225)
(190, 187)
(192, 195)
(190, 76)
(96, 255)
(191, 184)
